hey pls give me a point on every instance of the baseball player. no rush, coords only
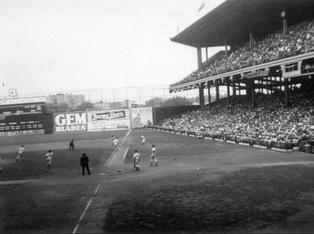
(71, 145)
(136, 160)
(20, 153)
(153, 157)
(85, 164)
(142, 139)
(48, 157)
(116, 143)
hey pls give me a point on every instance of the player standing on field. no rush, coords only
(136, 160)
(153, 157)
(142, 139)
(48, 157)
(116, 143)
(84, 164)
(71, 145)
(20, 153)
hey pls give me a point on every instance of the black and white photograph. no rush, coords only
(155, 116)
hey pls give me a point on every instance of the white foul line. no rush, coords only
(98, 186)
(125, 153)
(82, 216)
(96, 190)
(85, 210)
(115, 152)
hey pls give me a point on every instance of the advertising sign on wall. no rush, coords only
(142, 116)
(70, 122)
(28, 124)
(108, 120)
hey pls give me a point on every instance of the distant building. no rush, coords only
(102, 105)
(70, 99)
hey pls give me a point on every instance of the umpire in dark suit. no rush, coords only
(84, 164)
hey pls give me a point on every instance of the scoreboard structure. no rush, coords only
(24, 117)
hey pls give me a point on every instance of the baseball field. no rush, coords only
(199, 186)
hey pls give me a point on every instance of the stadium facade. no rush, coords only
(247, 25)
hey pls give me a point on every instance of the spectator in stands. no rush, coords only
(270, 123)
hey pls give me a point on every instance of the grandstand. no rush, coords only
(267, 69)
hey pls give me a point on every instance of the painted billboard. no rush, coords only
(108, 120)
(70, 122)
(142, 116)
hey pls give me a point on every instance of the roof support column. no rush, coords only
(206, 53)
(228, 90)
(253, 99)
(248, 85)
(208, 89)
(226, 50)
(250, 36)
(199, 57)
(287, 93)
(284, 22)
(201, 95)
(217, 89)
(233, 89)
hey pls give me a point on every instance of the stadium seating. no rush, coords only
(269, 124)
(299, 39)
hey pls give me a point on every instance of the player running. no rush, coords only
(116, 143)
(20, 153)
(143, 139)
(48, 157)
(153, 157)
(136, 160)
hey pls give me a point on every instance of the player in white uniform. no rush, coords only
(142, 139)
(153, 157)
(20, 153)
(48, 157)
(116, 143)
(136, 159)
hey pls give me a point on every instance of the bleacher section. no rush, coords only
(298, 40)
(270, 124)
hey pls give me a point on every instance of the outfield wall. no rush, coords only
(70, 122)
(108, 120)
(30, 118)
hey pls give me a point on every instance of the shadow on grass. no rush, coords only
(251, 199)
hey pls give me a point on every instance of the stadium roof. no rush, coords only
(231, 21)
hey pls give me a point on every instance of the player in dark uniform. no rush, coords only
(84, 164)
(71, 145)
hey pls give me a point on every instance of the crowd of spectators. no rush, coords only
(299, 39)
(268, 123)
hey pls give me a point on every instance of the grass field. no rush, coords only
(199, 186)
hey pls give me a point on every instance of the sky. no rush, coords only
(66, 45)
